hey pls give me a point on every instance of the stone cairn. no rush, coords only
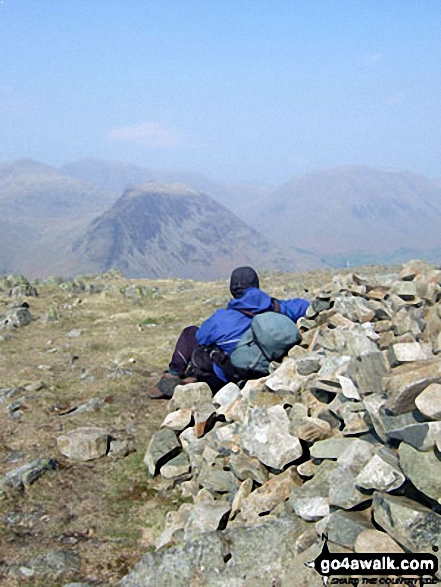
(341, 439)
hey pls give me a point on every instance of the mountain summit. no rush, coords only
(163, 230)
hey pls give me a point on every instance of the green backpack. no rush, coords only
(270, 336)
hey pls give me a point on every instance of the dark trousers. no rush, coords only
(181, 360)
(184, 348)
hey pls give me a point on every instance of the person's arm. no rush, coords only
(294, 309)
(207, 333)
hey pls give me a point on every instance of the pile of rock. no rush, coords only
(343, 438)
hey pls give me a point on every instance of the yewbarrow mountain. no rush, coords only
(158, 230)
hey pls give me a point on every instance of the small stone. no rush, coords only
(206, 516)
(243, 492)
(270, 494)
(376, 542)
(121, 448)
(176, 467)
(84, 444)
(178, 420)
(381, 475)
(407, 352)
(330, 448)
(191, 395)
(227, 394)
(74, 333)
(429, 401)
(246, 467)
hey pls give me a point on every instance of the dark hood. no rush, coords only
(242, 279)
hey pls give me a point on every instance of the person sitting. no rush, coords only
(201, 354)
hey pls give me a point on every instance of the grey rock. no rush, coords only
(227, 394)
(84, 444)
(423, 469)
(246, 467)
(191, 395)
(330, 448)
(309, 364)
(343, 492)
(55, 564)
(412, 525)
(92, 405)
(343, 527)
(382, 473)
(303, 498)
(406, 382)
(356, 309)
(74, 333)
(238, 557)
(428, 401)
(176, 467)
(265, 435)
(407, 352)
(163, 446)
(18, 479)
(218, 480)
(367, 372)
(376, 542)
(206, 516)
(121, 448)
(15, 318)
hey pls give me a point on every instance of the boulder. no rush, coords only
(84, 444)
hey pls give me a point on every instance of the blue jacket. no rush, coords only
(226, 326)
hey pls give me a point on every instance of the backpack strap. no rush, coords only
(276, 305)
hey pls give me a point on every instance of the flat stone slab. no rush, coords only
(84, 444)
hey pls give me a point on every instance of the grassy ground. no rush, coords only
(109, 510)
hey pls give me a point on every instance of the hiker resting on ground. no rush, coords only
(203, 354)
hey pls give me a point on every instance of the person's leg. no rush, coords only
(183, 350)
(175, 374)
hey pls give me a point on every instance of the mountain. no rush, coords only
(160, 230)
(116, 177)
(32, 190)
(352, 210)
(41, 210)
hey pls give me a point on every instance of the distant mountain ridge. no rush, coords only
(343, 216)
(355, 209)
(158, 230)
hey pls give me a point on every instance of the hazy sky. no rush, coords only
(246, 90)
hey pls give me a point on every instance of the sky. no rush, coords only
(239, 90)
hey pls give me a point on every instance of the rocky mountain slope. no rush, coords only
(158, 230)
